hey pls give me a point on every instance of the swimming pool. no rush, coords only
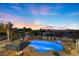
(44, 46)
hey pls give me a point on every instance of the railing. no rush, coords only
(50, 38)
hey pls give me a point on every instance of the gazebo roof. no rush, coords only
(18, 47)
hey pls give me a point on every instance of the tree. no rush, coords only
(8, 27)
(26, 29)
(56, 53)
(1, 26)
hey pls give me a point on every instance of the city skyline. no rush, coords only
(42, 14)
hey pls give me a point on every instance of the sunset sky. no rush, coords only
(55, 14)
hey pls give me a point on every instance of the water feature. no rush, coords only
(44, 46)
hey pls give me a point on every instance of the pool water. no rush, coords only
(44, 46)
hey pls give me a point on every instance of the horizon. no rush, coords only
(35, 16)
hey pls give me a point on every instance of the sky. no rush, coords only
(47, 14)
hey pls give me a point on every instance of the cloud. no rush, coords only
(41, 10)
(73, 14)
(11, 18)
(72, 26)
(18, 21)
(2, 21)
(58, 7)
(16, 8)
(36, 22)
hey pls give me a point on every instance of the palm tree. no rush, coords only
(1, 26)
(7, 28)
